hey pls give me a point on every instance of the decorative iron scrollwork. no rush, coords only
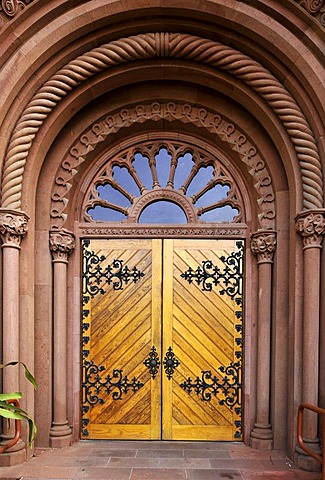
(152, 362)
(230, 279)
(94, 278)
(114, 384)
(208, 385)
(170, 363)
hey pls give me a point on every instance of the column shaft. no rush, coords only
(13, 226)
(311, 226)
(263, 246)
(61, 245)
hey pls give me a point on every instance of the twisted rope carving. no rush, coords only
(162, 45)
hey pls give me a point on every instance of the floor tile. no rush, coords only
(158, 474)
(213, 474)
(206, 453)
(132, 462)
(160, 453)
(104, 474)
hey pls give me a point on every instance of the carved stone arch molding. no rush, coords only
(170, 111)
(153, 45)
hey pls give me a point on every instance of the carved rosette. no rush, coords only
(62, 244)
(13, 226)
(311, 226)
(263, 245)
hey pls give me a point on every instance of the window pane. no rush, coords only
(103, 214)
(163, 166)
(162, 212)
(218, 192)
(184, 166)
(141, 166)
(123, 177)
(109, 193)
(203, 176)
(222, 214)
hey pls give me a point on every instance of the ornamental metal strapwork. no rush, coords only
(165, 182)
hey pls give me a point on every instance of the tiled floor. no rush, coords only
(157, 461)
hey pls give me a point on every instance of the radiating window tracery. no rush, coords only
(163, 183)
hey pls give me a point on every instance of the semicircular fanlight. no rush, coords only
(184, 178)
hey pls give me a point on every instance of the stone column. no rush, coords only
(61, 245)
(311, 226)
(263, 245)
(13, 226)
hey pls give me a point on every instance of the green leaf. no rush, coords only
(11, 414)
(28, 375)
(10, 396)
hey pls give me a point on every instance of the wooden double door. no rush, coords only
(162, 330)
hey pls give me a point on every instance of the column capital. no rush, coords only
(310, 224)
(263, 245)
(13, 226)
(62, 244)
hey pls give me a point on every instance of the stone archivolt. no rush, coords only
(153, 45)
(171, 111)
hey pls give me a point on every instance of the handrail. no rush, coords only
(13, 441)
(320, 411)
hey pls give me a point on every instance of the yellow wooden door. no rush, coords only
(161, 348)
(202, 323)
(121, 322)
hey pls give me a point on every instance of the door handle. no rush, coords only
(152, 362)
(170, 362)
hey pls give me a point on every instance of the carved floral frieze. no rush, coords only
(263, 245)
(13, 226)
(311, 226)
(171, 111)
(62, 244)
(172, 231)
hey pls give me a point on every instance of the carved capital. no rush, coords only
(13, 226)
(62, 244)
(263, 244)
(311, 226)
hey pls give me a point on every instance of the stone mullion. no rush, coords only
(311, 226)
(13, 227)
(61, 246)
(263, 245)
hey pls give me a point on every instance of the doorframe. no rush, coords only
(212, 231)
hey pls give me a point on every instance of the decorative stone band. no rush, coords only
(13, 226)
(316, 8)
(263, 245)
(13, 7)
(62, 244)
(311, 226)
(163, 45)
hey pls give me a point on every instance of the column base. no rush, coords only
(60, 435)
(305, 461)
(10, 459)
(262, 437)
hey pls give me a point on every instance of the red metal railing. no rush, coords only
(14, 440)
(319, 411)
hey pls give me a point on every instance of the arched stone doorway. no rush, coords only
(211, 74)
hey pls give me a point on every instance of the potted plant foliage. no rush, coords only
(10, 409)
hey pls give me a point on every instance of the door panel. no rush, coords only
(201, 327)
(121, 322)
(189, 387)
